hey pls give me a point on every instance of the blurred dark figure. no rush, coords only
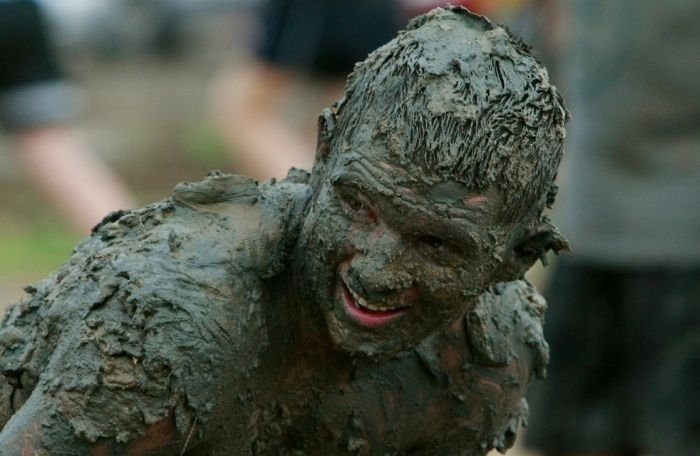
(624, 318)
(37, 107)
(267, 106)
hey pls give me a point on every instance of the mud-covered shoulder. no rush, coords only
(263, 217)
(142, 319)
(509, 317)
(490, 357)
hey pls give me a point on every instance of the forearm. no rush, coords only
(36, 427)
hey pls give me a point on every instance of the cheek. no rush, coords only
(438, 283)
(329, 238)
(442, 294)
(452, 285)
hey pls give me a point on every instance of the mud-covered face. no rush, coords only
(392, 255)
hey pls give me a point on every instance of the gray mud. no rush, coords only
(212, 322)
(137, 328)
(462, 107)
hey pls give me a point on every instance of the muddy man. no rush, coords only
(371, 307)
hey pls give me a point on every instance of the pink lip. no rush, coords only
(369, 318)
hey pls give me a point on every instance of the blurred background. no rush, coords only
(122, 99)
(140, 73)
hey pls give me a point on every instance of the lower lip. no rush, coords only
(369, 318)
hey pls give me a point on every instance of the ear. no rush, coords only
(326, 130)
(532, 244)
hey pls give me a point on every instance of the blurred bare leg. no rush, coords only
(246, 103)
(74, 180)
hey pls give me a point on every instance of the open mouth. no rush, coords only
(366, 314)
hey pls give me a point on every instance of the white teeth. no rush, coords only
(362, 302)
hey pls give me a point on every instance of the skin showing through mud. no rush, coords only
(373, 306)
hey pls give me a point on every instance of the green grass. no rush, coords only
(33, 252)
(203, 146)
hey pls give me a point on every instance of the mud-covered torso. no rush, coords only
(458, 392)
(164, 313)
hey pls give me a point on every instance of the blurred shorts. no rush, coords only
(326, 37)
(33, 90)
(625, 361)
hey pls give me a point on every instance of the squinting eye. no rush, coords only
(354, 203)
(359, 207)
(431, 241)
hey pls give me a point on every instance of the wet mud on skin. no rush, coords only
(461, 107)
(119, 343)
(217, 321)
(453, 145)
(139, 324)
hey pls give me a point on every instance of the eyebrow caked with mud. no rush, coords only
(239, 317)
(403, 201)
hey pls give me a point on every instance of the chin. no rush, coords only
(357, 329)
(363, 346)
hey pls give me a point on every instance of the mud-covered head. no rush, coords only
(430, 181)
(455, 95)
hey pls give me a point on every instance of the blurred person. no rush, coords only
(37, 107)
(624, 320)
(266, 107)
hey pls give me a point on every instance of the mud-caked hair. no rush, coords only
(458, 96)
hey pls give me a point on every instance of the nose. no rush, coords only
(382, 264)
